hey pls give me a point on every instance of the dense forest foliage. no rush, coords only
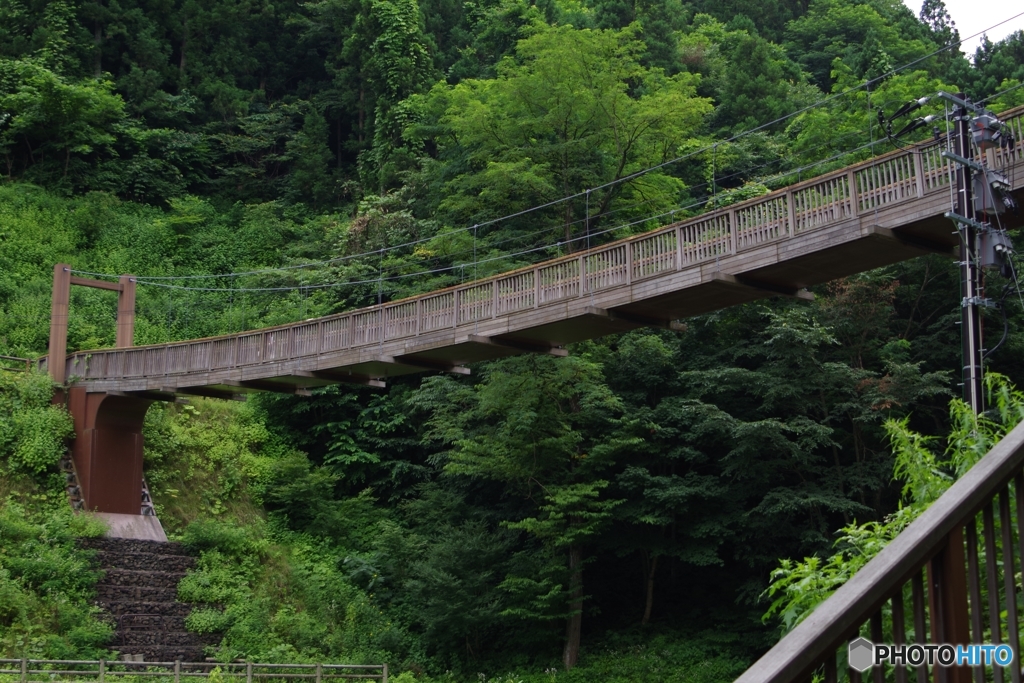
(264, 161)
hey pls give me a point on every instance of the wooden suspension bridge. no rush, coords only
(924, 587)
(884, 210)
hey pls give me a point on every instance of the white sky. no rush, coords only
(972, 16)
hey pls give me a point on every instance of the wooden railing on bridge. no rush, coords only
(883, 182)
(927, 582)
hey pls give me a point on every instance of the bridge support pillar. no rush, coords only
(108, 449)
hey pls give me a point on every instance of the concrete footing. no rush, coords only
(139, 527)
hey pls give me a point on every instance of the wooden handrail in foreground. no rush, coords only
(811, 646)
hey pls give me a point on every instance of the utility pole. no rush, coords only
(981, 193)
(970, 273)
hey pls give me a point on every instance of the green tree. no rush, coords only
(51, 122)
(541, 427)
(793, 426)
(659, 21)
(759, 85)
(935, 15)
(492, 29)
(574, 109)
(864, 35)
(998, 66)
(850, 122)
(310, 179)
(378, 56)
(769, 18)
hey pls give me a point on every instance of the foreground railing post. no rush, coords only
(918, 171)
(790, 214)
(947, 597)
(24, 670)
(103, 670)
(177, 671)
(248, 672)
(384, 676)
(899, 633)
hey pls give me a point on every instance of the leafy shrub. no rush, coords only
(46, 584)
(207, 620)
(32, 432)
(214, 534)
(207, 460)
(39, 435)
(799, 586)
(282, 599)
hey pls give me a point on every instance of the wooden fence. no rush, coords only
(15, 364)
(101, 671)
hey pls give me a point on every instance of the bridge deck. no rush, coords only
(882, 211)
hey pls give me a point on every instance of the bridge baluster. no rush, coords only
(790, 228)
(899, 632)
(878, 673)
(988, 532)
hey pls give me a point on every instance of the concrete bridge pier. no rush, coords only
(108, 449)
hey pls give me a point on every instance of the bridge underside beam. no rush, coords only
(157, 396)
(634, 321)
(259, 385)
(761, 289)
(877, 247)
(205, 392)
(327, 377)
(382, 366)
(419, 364)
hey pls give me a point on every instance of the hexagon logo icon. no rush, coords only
(861, 655)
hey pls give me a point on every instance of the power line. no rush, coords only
(611, 183)
(456, 267)
(587, 219)
(491, 245)
(1019, 85)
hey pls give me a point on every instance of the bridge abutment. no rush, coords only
(108, 449)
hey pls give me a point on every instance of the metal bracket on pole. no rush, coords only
(962, 161)
(942, 95)
(964, 220)
(978, 301)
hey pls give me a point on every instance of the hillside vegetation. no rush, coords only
(611, 516)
